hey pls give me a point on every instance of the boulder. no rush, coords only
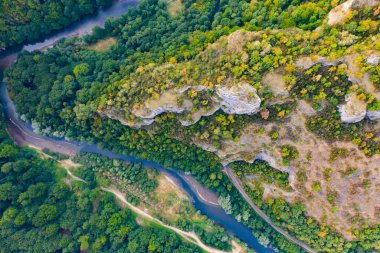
(373, 115)
(339, 14)
(354, 110)
(241, 98)
(308, 62)
(167, 102)
(364, 3)
(373, 59)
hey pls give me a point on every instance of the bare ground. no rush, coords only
(189, 236)
(103, 45)
(204, 194)
(171, 200)
(174, 7)
(354, 198)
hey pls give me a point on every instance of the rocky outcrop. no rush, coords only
(194, 117)
(373, 59)
(339, 14)
(136, 123)
(364, 3)
(354, 110)
(238, 99)
(167, 102)
(373, 115)
(275, 82)
(308, 62)
(237, 40)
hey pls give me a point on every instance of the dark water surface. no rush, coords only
(215, 213)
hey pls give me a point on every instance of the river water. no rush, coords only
(215, 213)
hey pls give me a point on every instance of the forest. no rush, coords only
(27, 21)
(40, 212)
(66, 91)
(141, 184)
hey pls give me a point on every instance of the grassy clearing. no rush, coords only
(174, 7)
(103, 45)
(60, 173)
(170, 198)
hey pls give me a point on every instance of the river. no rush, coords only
(22, 132)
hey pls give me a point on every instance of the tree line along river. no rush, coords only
(21, 130)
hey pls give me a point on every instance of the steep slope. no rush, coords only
(293, 111)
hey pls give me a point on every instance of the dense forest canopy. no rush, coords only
(105, 96)
(41, 212)
(26, 21)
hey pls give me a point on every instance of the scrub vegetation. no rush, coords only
(192, 88)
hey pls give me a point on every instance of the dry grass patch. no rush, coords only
(174, 7)
(103, 45)
(237, 248)
(70, 164)
(276, 83)
(171, 201)
(327, 187)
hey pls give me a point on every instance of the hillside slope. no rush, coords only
(286, 92)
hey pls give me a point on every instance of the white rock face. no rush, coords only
(373, 59)
(264, 156)
(338, 14)
(354, 110)
(373, 115)
(364, 3)
(308, 62)
(239, 99)
(167, 102)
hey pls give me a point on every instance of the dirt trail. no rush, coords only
(26, 137)
(67, 164)
(189, 236)
(240, 188)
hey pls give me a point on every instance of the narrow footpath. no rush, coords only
(188, 236)
(24, 136)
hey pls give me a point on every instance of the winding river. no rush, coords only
(22, 133)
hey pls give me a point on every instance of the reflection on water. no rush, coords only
(215, 213)
(84, 26)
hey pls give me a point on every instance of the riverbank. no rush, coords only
(189, 236)
(24, 136)
(240, 188)
(203, 199)
(204, 194)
